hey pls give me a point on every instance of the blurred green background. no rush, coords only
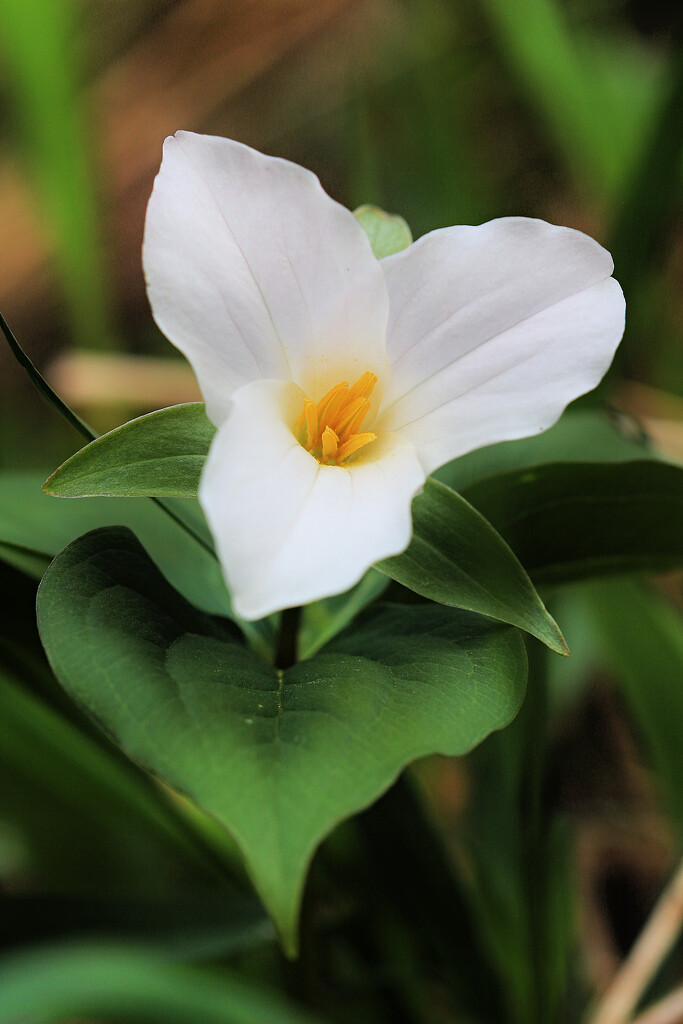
(445, 111)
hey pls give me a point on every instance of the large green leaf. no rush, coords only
(279, 758)
(458, 559)
(159, 454)
(574, 521)
(116, 982)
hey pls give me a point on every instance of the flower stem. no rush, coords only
(658, 936)
(287, 644)
(667, 1011)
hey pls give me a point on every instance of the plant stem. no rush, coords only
(667, 1011)
(81, 426)
(288, 640)
(641, 965)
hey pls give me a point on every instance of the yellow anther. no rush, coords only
(311, 423)
(330, 442)
(353, 445)
(349, 412)
(364, 386)
(356, 420)
(329, 430)
(337, 392)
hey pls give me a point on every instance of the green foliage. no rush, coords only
(644, 647)
(581, 435)
(457, 559)
(58, 782)
(39, 58)
(113, 982)
(388, 233)
(203, 923)
(315, 743)
(35, 526)
(159, 454)
(569, 78)
(575, 521)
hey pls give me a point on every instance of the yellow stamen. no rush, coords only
(356, 420)
(330, 442)
(338, 391)
(353, 445)
(311, 423)
(329, 430)
(363, 386)
(350, 412)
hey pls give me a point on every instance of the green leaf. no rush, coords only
(114, 982)
(570, 80)
(27, 559)
(279, 758)
(33, 520)
(194, 924)
(45, 77)
(644, 646)
(574, 521)
(579, 436)
(388, 233)
(458, 559)
(86, 813)
(159, 454)
(70, 416)
(323, 619)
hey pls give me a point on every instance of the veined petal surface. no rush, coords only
(254, 272)
(288, 530)
(493, 330)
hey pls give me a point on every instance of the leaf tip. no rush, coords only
(556, 642)
(49, 487)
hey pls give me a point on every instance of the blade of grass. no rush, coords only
(586, 97)
(643, 215)
(111, 982)
(39, 62)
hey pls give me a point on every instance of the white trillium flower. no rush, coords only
(337, 382)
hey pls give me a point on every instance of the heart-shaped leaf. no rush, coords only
(574, 521)
(458, 559)
(159, 454)
(279, 758)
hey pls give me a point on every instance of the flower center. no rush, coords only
(330, 429)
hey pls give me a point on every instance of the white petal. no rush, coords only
(254, 272)
(287, 530)
(493, 330)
